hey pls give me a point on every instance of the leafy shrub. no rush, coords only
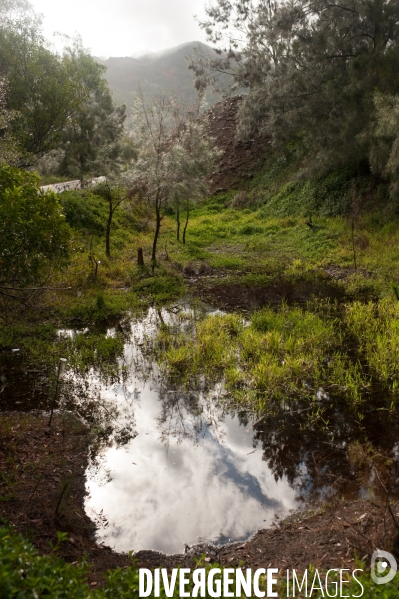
(24, 574)
(250, 230)
(85, 211)
(34, 236)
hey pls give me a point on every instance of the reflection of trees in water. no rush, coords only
(307, 445)
(95, 368)
(313, 452)
(110, 421)
(187, 415)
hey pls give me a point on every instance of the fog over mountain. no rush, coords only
(154, 72)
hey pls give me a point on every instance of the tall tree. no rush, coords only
(195, 155)
(91, 139)
(62, 100)
(9, 151)
(114, 193)
(175, 155)
(384, 135)
(40, 87)
(311, 67)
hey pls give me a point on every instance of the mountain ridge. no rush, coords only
(166, 70)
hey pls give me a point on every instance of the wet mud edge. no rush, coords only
(45, 489)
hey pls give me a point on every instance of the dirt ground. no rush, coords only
(329, 538)
(43, 486)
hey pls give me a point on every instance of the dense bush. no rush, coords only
(85, 211)
(34, 236)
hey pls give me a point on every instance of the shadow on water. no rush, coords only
(179, 466)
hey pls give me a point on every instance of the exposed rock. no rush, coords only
(240, 158)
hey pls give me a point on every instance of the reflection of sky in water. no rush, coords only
(183, 488)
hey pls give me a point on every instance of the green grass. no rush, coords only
(285, 356)
(267, 238)
(247, 246)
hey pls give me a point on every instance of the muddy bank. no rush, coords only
(329, 538)
(43, 489)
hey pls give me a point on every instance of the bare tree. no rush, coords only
(114, 193)
(176, 155)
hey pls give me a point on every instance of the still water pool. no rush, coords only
(193, 471)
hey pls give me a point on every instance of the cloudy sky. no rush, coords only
(124, 27)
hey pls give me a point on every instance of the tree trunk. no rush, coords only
(156, 235)
(140, 259)
(108, 232)
(178, 224)
(185, 225)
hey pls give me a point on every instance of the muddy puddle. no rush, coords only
(175, 468)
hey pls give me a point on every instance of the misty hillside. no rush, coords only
(154, 72)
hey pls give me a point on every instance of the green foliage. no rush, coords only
(40, 87)
(34, 236)
(90, 140)
(84, 211)
(94, 350)
(23, 573)
(309, 83)
(176, 156)
(8, 147)
(376, 329)
(99, 309)
(384, 153)
(280, 193)
(290, 354)
(59, 100)
(162, 287)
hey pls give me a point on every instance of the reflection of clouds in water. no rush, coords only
(170, 497)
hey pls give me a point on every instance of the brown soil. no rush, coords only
(328, 539)
(43, 485)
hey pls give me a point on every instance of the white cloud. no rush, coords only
(160, 499)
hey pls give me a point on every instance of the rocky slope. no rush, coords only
(241, 158)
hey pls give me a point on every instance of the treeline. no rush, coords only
(57, 116)
(57, 112)
(321, 75)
